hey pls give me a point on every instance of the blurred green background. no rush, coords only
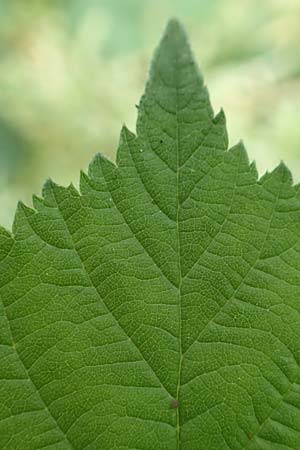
(72, 70)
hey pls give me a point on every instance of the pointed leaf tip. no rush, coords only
(174, 26)
(175, 33)
(174, 41)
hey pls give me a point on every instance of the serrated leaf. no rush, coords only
(158, 308)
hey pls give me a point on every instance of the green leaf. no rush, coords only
(159, 308)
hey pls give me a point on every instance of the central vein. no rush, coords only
(180, 274)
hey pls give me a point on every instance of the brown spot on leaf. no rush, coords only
(175, 403)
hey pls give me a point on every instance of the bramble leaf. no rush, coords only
(159, 307)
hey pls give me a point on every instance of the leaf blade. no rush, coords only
(171, 278)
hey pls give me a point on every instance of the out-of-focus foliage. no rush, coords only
(70, 69)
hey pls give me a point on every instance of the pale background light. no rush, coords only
(72, 71)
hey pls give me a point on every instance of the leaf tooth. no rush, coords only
(220, 118)
(47, 192)
(241, 151)
(126, 133)
(48, 185)
(281, 173)
(4, 232)
(297, 188)
(126, 137)
(6, 242)
(71, 188)
(23, 212)
(38, 202)
(84, 182)
(253, 169)
(24, 209)
(285, 172)
(99, 163)
(264, 177)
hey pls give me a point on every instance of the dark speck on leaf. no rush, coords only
(175, 403)
(161, 141)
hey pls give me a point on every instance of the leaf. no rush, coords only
(159, 307)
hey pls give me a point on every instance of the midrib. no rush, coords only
(178, 431)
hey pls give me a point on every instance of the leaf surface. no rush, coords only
(157, 308)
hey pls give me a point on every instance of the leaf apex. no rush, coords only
(174, 26)
(174, 40)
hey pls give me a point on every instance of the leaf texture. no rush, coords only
(159, 307)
